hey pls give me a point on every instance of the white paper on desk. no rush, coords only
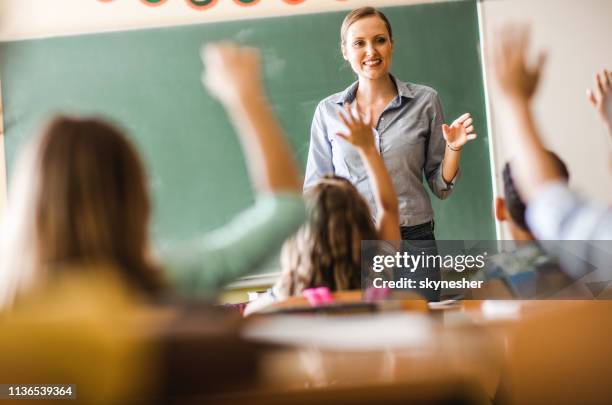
(501, 310)
(346, 333)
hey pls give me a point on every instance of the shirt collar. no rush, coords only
(348, 95)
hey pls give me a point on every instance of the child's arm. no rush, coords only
(207, 263)
(553, 211)
(233, 76)
(360, 135)
(518, 82)
(601, 98)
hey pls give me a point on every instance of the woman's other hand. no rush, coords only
(460, 132)
(231, 72)
(360, 132)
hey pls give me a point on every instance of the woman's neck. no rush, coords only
(371, 92)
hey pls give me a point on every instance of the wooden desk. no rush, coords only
(475, 341)
(374, 349)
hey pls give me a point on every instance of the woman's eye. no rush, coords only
(381, 40)
(358, 43)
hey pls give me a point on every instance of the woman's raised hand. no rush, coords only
(359, 126)
(601, 98)
(460, 132)
(231, 72)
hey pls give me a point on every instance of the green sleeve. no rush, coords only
(204, 265)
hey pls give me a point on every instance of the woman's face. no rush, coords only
(368, 48)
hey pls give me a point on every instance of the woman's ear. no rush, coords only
(500, 209)
(343, 49)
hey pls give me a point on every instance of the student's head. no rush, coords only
(511, 208)
(366, 40)
(325, 252)
(78, 198)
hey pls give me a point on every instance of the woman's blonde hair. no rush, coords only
(358, 14)
(326, 250)
(78, 197)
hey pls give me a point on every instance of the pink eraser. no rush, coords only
(318, 296)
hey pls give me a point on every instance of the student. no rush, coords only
(527, 269)
(511, 208)
(325, 252)
(554, 212)
(80, 199)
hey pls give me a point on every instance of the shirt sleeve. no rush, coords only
(435, 153)
(204, 265)
(557, 214)
(319, 152)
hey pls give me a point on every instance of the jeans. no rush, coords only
(420, 240)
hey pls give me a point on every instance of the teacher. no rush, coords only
(409, 130)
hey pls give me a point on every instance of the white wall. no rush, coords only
(577, 37)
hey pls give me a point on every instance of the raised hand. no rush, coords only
(361, 135)
(460, 132)
(601, 98)
(231, 71)
(233, 75)
(517, 78)
(359, 127)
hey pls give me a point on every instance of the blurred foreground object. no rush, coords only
(563, 357)
(78, 332)
(90, 330)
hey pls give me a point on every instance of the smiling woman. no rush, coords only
(407, 125)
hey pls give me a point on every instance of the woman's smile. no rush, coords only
(374, 62)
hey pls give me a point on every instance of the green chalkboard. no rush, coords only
(148, 81)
